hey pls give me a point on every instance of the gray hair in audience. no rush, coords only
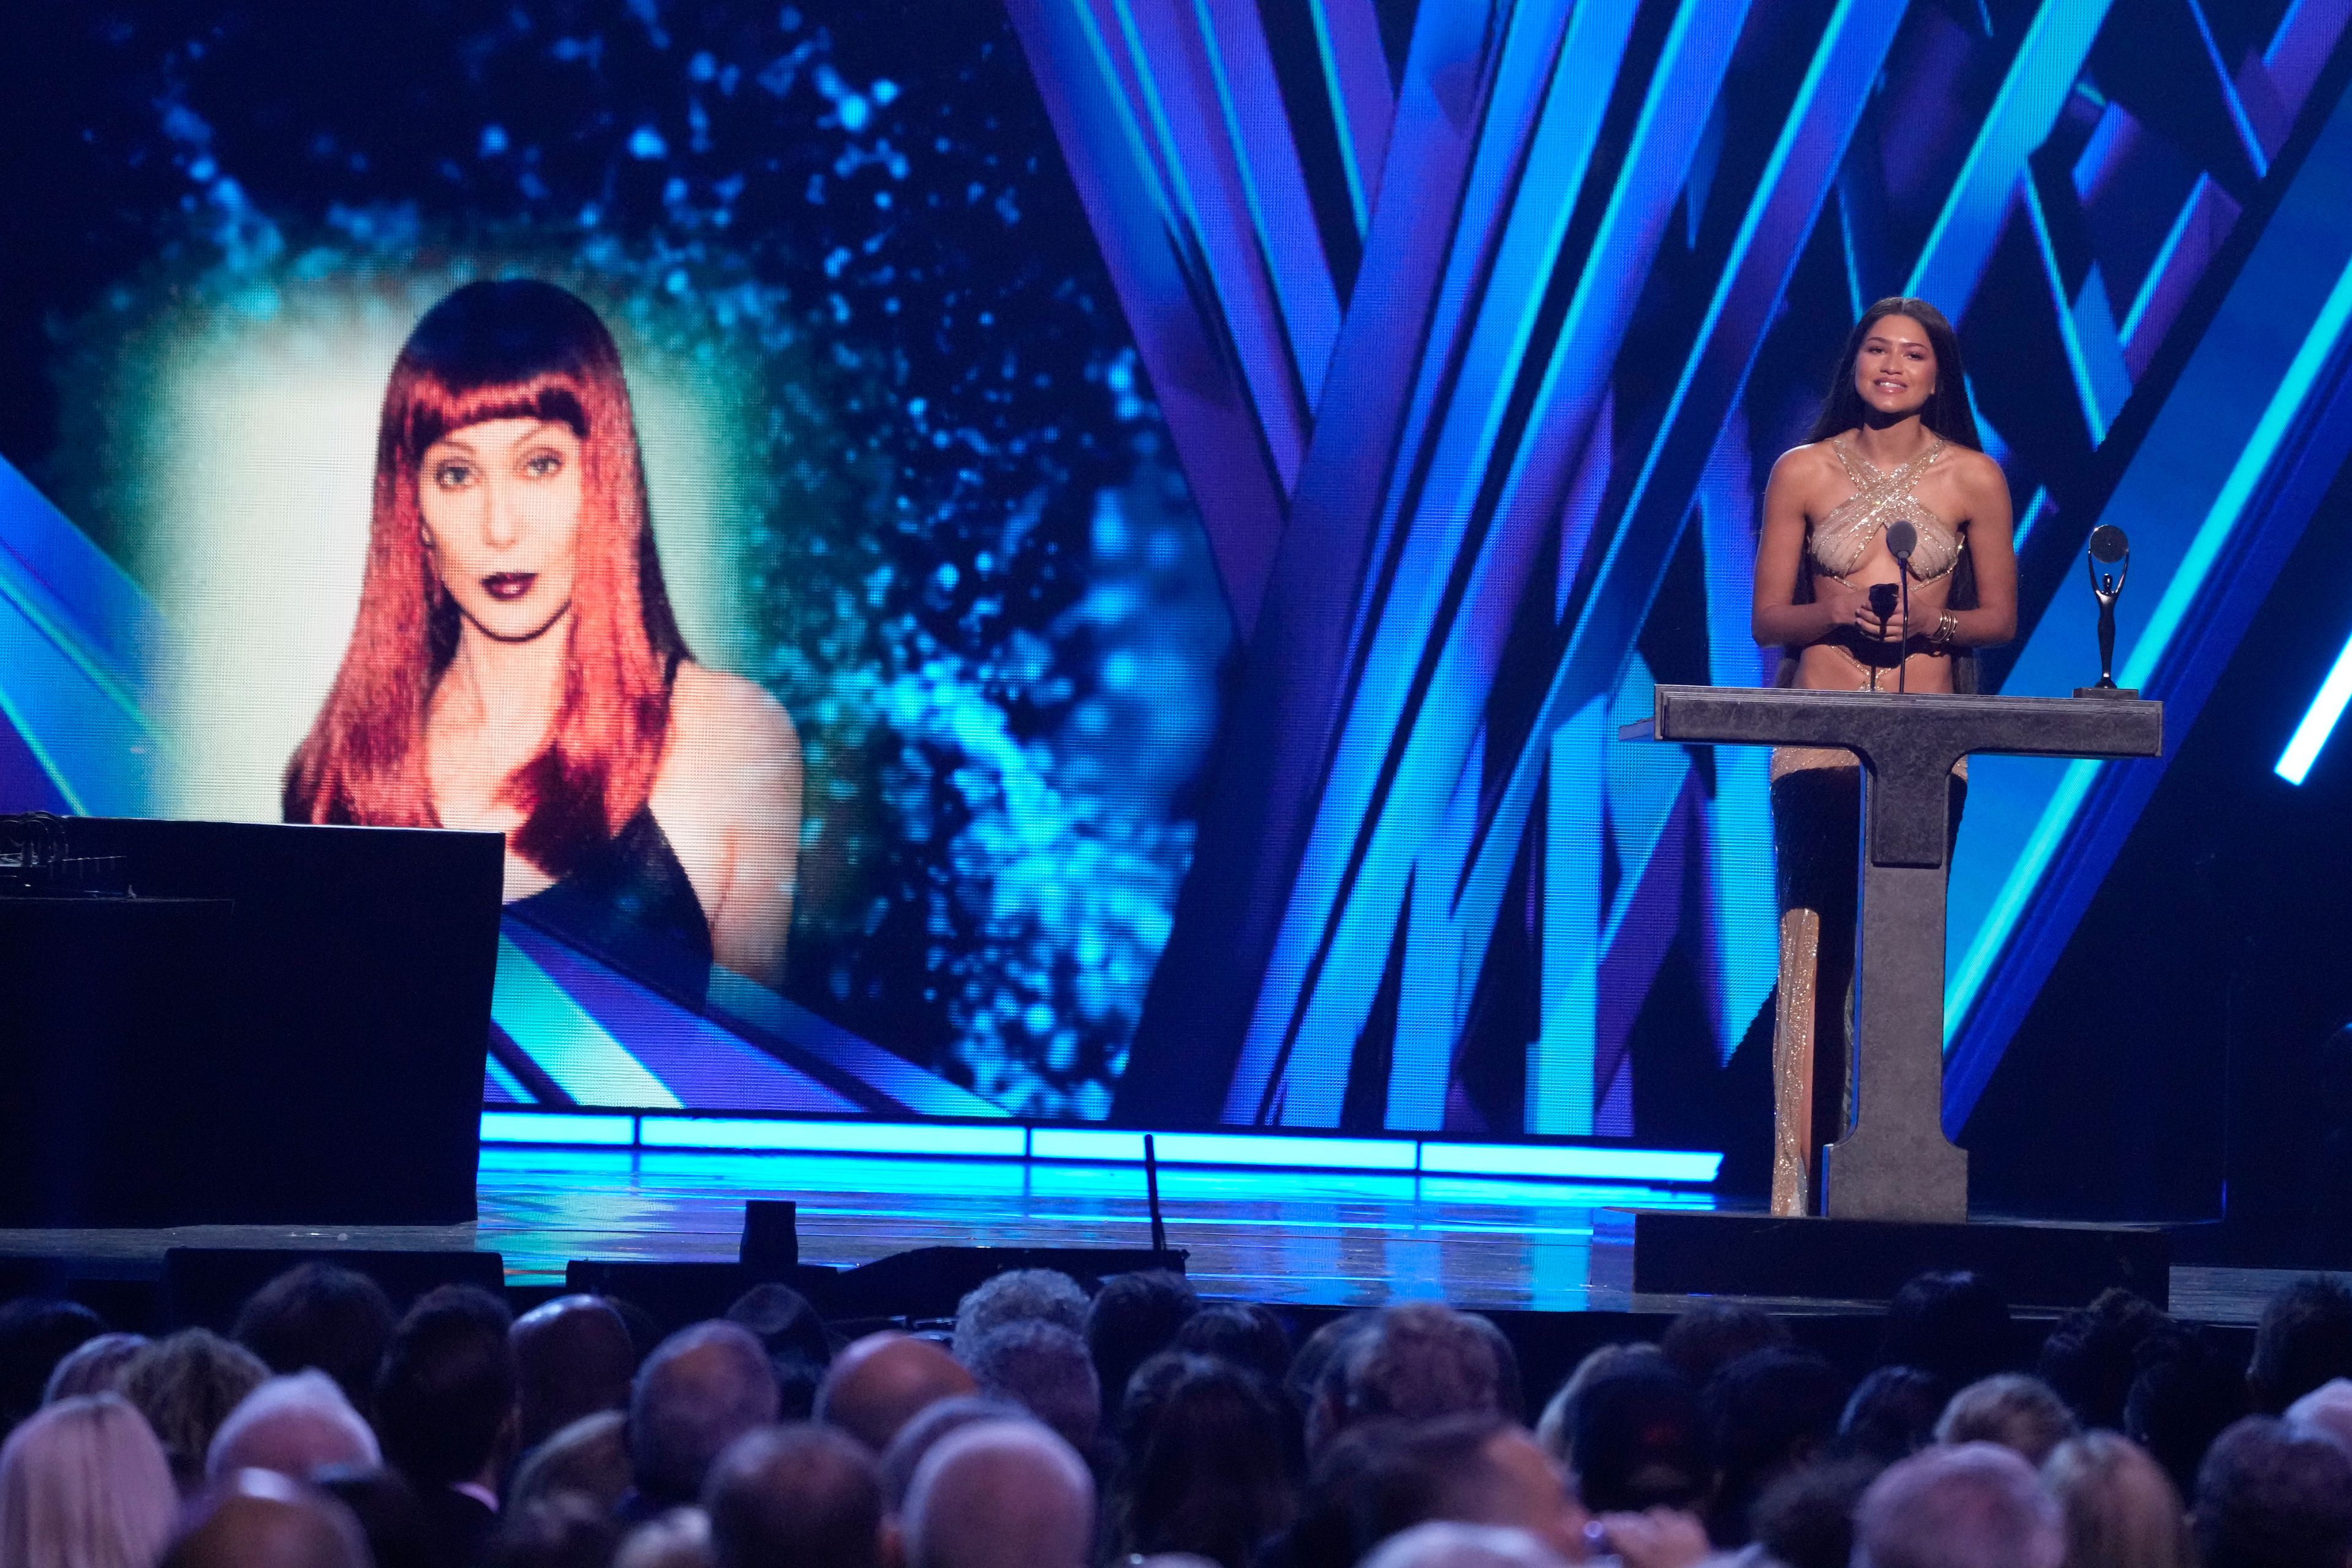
(1001, 1494)
(2023, 1415)
(93, 1366)
(297, 1424)
(1020, 1295)
(920, 1436)
(2120, 1507)
(84, 1484)
(1043, 1368)
(257, 1518)
(1422, 1360)
(702, 1389)
(1972, 1506)
(1441, 1543)
(2325, 1412)
(679, 1538)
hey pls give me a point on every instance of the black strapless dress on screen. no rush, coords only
(631, 905)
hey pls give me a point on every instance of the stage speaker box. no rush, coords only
(204, 1286)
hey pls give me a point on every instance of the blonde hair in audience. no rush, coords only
(2121, 1511)
(84, 1484)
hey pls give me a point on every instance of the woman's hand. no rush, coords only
(1662, 1537)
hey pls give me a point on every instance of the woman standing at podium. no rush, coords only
(1894, 442)
(515, 665)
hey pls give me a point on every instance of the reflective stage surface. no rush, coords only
(1308, 1238)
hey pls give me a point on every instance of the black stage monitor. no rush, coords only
(279, 1025)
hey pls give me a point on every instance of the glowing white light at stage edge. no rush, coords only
(2311, 735)
(256, 475)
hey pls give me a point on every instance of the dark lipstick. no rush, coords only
(507, 586)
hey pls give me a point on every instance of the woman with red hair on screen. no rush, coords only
(515, 665)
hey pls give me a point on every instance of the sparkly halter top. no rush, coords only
(1841, 538)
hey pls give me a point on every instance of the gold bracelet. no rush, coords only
(1947, 627)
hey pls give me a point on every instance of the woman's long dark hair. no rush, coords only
(1948, 413)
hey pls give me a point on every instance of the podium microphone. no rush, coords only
(1902, 539)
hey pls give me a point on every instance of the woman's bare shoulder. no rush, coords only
(725, 718)
(1803, 465)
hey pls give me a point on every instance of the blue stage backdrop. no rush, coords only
(1206, 480)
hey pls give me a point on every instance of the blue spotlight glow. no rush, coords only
(2294, 763)
(1303, 1153)
(1574, 1161)
(543, 1127)
(833, 1137)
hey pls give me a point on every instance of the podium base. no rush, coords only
(2035, 1265)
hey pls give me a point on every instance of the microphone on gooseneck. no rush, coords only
(1902, 539)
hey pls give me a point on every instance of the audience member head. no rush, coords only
(1006, 1494)
(2092, 1356)
(2304, 1340)
(1768, 1413)
(676, 1538)
(297, 1424)
(562, 1532)
(1133, 1318)
(1243, 1332)
(701, 1389)
(444, 1398)
(1954, 1326)
(2020, 1413)
(590, 1457)
(36, 1333)
(1202, 1466)
(802, 1496)
(84, 1484)
(1018, 1295)
(878, 1383)
(798, 1346)
(1891, 1416)
(1316, 1385)
(259, 1518)
(1558, 1420)
(2269, 1497)
(918, 1437)
(2325, 1411)
(1473, 1469)
(93, 1366)
(2121, 1511)
(1441, 1543)
(1713, 1334)
(1422, 1360)
(389, 1515)
(1043, 1368)
(2182, 1400)
(318, 1315)
(185, 1385)
(1805, 1520)
(572, 1358)
(1975, 1506)
(1640, 1441)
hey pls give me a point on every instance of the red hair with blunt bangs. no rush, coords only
(506, 349)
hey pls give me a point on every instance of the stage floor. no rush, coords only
(1309, 1237)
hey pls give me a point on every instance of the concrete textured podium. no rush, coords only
(1895, 1162)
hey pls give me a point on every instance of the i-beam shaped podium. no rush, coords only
(1895, 1162)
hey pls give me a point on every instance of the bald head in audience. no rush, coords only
(572, 1358)
(1000, 1494)
(702, 1389)
(884, 1381)
(1974, 1506)
(258, 1519)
